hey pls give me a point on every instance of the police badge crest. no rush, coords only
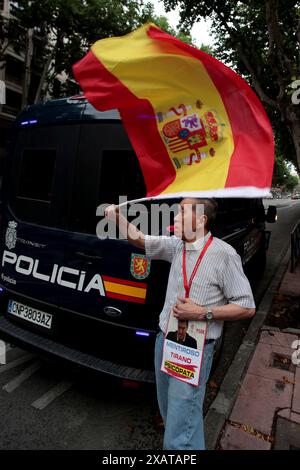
(140, 266)
(11, 234)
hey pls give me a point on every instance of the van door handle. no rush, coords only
(88, 257)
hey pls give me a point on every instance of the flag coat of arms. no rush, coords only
(197, 127)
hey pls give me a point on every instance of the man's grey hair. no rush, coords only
(210, 210)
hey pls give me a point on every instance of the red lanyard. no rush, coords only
(188, 284)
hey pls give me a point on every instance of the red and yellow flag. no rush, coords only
(196, 126)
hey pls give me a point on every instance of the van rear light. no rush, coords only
(130, 384)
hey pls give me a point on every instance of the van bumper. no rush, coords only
(50, 349)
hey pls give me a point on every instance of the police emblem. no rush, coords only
(11, 234)
(139, 266)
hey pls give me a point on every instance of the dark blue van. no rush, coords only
(64, 292)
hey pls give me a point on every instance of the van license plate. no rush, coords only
(30, 314)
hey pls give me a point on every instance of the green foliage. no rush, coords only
(282, 176)
(183, 33)
(163, 23)
(207, 49)
(65, 29)
(291, 182)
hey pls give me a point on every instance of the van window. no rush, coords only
(37, 174)
(32, 192)
(102, 175)
(121, 175)
(236, 213)
(41, 168)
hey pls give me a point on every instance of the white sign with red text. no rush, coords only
(183, 349)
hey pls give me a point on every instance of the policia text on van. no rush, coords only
(64, 292)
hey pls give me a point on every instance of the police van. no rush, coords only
(64, 292)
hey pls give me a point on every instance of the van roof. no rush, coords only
(70, 109)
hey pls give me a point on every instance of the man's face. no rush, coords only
(189, 220)
(181, 332)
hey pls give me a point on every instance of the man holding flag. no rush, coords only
(199, 131)
(219, 291)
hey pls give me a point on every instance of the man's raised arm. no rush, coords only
(134, 236)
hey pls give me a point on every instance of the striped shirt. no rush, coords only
(219, 280)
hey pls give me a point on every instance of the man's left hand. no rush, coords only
(186, 309)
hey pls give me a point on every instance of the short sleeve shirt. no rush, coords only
(219, 280)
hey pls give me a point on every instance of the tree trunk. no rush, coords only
(290, 118)
(43, 78)
(28, 60)
(295, 133)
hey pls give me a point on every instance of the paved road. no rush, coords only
(288, 211)
(44, 407)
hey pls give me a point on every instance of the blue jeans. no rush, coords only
(180, 403)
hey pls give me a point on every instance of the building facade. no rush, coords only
(12, 71)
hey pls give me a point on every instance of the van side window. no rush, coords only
(233, 214)
(37, 174)
(121, 175)
(32, 191)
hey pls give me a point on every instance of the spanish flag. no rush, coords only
(196, 126)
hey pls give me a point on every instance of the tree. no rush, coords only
(182, 33)
(57, 33)
(282, 176)
(54, 34)
(291, 182)
(261, 40)
(163, 23)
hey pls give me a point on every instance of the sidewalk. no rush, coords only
(266, 413)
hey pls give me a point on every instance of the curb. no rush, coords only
(282, 205)
(220, 409)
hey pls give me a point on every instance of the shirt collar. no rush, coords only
(198, 244)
